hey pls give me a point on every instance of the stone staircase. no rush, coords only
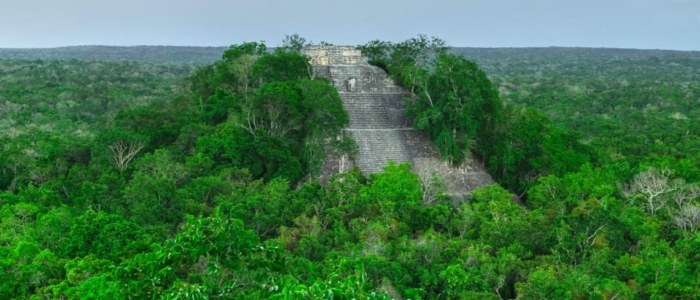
(374, 111)
(378, 125)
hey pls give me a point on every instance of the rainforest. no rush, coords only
(192, 173)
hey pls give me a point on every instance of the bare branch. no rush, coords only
(653, 187)
(124, 152)
(688, 218)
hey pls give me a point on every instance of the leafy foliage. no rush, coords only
(631, 106)
(219, 201)
(454, 102)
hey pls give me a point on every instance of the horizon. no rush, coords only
(618, 24)
(449, 46)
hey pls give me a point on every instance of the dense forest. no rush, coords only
(632, 106)
(124, 179)
(147, 54)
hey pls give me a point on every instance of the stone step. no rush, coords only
(361, 74)
(367, 79)
(393, 100)
(377, 120)
(375, 110)
(377, 147)
(363, 87)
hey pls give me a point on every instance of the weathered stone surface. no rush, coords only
(324, 55)
(378, 125)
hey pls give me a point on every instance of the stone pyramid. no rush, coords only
(378, 125)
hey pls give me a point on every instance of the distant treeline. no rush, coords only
(207, 55)
(151, 54)
(633, 106)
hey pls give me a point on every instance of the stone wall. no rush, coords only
(378, 125)
(325, 55)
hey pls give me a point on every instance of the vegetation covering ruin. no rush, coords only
(124, 180)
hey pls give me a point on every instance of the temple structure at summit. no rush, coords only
(378, 125)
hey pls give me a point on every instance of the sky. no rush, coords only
(645, 24)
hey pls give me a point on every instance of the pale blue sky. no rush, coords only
(656, 24)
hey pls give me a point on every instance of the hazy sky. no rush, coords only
(661, 24)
